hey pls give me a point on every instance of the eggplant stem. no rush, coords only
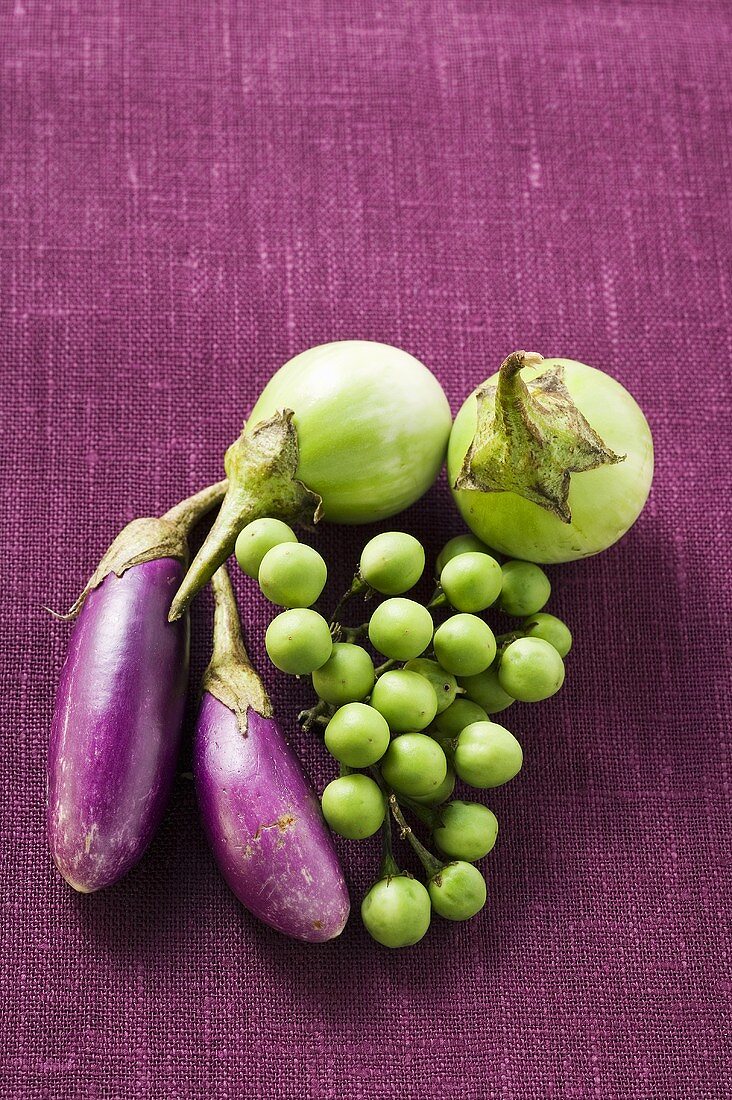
(358, 585)
(218, 546)
(437, 599)
(189, 511)
(425, 814)
(228, 642)
(146, 539)
(230, 676)
(262, 469)
(431, 864)
(389, 866)
(316, 713)
(504, 640)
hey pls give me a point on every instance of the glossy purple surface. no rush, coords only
(263, 822)
(116, 727)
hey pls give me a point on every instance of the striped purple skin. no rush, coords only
(264, 824)
(117, 725)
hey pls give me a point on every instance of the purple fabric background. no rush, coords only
(191, 193)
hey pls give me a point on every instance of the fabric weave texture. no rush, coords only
(191, 193)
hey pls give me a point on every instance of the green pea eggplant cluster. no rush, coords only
(548, 461)
(406, 732)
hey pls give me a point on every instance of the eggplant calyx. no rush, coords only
(230, 677)
(147, 539)
(531, 438)
(261, 466)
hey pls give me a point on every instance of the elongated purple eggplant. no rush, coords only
(119, 708)
(261, 816)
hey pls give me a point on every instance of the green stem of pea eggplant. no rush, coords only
(431, 864)
(389, 866)
(437, 599)
(349, 633)
(358, 586)
(320, 713)
(503, 641)
(428, 816)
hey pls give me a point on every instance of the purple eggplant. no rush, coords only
(260, 814)
(119, 709)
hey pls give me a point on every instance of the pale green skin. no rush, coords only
(292, 575)
(551, 629)
(444, 683)
(487, 755)
(525, 588)
(400, 628)
(472, 581)
(298, 641)
(467, 830)
(353, 806)
(485, 690)
(441, 793)
(397, 911)
(414, 764)
(464, 645)
(462, 713)
(392, 562)
(604, 502)
(357, 735)
(372, 425)
(406, 699)
(346, 677)
(460, 544)
(531, 670)
(458, 892)
(256, 539)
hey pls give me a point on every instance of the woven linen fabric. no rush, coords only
(190, 194)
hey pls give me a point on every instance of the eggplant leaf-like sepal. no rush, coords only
(530, 439)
